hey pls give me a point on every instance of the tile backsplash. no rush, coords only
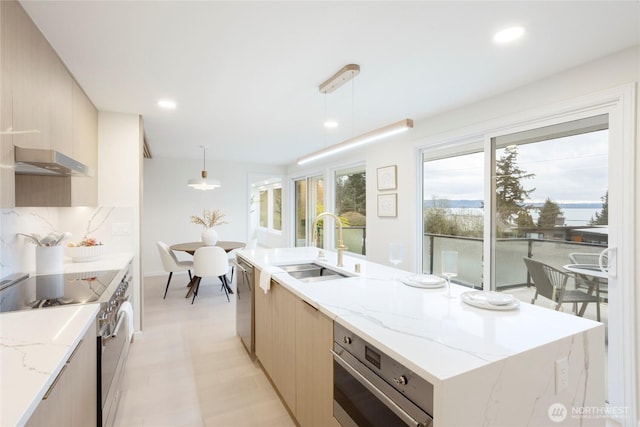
(111, 225)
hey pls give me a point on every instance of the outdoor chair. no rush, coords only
(551, 283)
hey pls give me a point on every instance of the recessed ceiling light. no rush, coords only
(508, 35)
(167, 103)
(331, 124)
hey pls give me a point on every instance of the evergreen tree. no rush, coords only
(351, 193)
(438, 219)
(548, 214)
(510, 194)
(602, 217)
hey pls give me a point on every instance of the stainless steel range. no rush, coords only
(110, 289)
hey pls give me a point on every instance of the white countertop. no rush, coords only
(435, 336)
(35, 344)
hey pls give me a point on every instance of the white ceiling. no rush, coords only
(245, 75)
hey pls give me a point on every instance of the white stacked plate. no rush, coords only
(490, 300)
(426, 281)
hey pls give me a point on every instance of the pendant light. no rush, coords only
(203, 183)
(345, 74)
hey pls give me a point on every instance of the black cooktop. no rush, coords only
(53, 290)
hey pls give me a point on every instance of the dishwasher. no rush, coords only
(244, 305)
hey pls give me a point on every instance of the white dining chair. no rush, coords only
(171, 264)
(210, 261)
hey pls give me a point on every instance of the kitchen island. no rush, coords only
(487, 367)
(37, 345)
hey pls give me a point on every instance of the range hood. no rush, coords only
(37, 161)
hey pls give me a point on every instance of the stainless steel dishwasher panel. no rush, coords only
(245, 306)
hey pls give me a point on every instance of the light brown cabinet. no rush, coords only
(72, 398)
(314, 366)
(39, 93)
(263, 328)
(292, 341)
(284, 343)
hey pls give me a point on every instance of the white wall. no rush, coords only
(119, 182)
(169, 203)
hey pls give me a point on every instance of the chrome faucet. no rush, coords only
(340, 247)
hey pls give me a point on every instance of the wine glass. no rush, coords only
(449, 267)
(395, 255)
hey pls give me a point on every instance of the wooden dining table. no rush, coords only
(191, 247)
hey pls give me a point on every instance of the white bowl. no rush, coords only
(84, 253)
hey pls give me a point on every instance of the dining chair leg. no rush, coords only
(224, 285)
(190, 277)
(167, 287)
(195, 289)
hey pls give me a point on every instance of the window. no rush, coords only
(309, 202)
(453, 214)
(548, 200)
(264, 208)
(270, 205)
(351, 207)
(277, 209)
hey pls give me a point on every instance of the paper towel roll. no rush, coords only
(126, 308)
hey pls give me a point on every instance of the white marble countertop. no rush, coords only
(35, 344)
(435, 336)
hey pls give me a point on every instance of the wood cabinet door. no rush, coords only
(72, 399)
(284, 343)
(84, 138)
(263, 328)
(314, 367)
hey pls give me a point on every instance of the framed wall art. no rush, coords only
(387, 178)
(387, 205)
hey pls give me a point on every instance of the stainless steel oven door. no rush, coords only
(114, 352)
(361, 398)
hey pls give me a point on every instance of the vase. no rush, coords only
(209, 237)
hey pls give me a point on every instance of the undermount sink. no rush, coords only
(312, 272)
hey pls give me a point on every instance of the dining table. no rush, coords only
(191, 247)
(592, 275)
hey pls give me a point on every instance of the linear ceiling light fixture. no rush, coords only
(203, 183)
(357, 141)
(343, 75)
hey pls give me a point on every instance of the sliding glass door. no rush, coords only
(308, 203)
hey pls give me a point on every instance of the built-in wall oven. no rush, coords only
(244, 305)
(372, 389)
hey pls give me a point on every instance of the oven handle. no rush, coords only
(116, 331)
(373, 389)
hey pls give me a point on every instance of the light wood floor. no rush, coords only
(188, 367)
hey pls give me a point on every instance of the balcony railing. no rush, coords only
(510, 270)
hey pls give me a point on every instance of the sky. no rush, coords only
(569, 169)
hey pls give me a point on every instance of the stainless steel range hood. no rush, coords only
(36, 161)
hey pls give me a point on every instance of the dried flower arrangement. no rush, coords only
(209, 218)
